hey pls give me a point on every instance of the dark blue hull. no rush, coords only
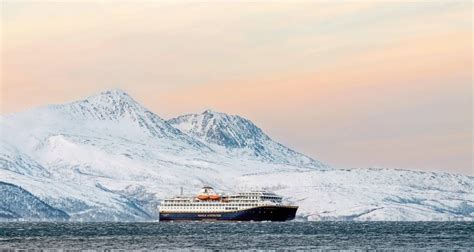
(266, 213)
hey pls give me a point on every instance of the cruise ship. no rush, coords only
(207, 205)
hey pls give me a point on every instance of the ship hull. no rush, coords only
(264, 213)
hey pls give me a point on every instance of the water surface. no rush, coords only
(239, 236)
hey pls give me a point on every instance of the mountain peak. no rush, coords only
(213, 113)
(114, 91)
(218, 128)
(221, 114)
(112, 96)
(115, 111)
(210, 111)
(237, 134)
(107, 105)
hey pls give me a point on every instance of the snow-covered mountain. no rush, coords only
(16, 203)
(238, 135)
(109, 158)
(373, 194)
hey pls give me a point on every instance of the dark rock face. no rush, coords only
(17, 203)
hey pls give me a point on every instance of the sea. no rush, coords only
(203, 236)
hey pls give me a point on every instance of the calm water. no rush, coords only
(241, 236)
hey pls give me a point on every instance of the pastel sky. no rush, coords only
(351, 83)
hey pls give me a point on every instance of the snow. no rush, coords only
(18, 204)
(373, 194)
(109, 158)
(237, 136)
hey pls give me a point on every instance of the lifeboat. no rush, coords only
(207, 193)
(203, 197)
(215, 197)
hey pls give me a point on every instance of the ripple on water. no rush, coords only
(241, 236)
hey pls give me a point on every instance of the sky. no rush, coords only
(351, 83)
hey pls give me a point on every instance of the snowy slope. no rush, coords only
(14, 160)
(111, 113)
(373, 194)
(81, 201)
(239, 137)
(18, 204)
(109, 158)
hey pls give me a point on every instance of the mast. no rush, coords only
(181, 191)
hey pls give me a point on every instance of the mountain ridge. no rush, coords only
(234, 132)
(111, 159)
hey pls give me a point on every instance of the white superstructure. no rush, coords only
(207, 201)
